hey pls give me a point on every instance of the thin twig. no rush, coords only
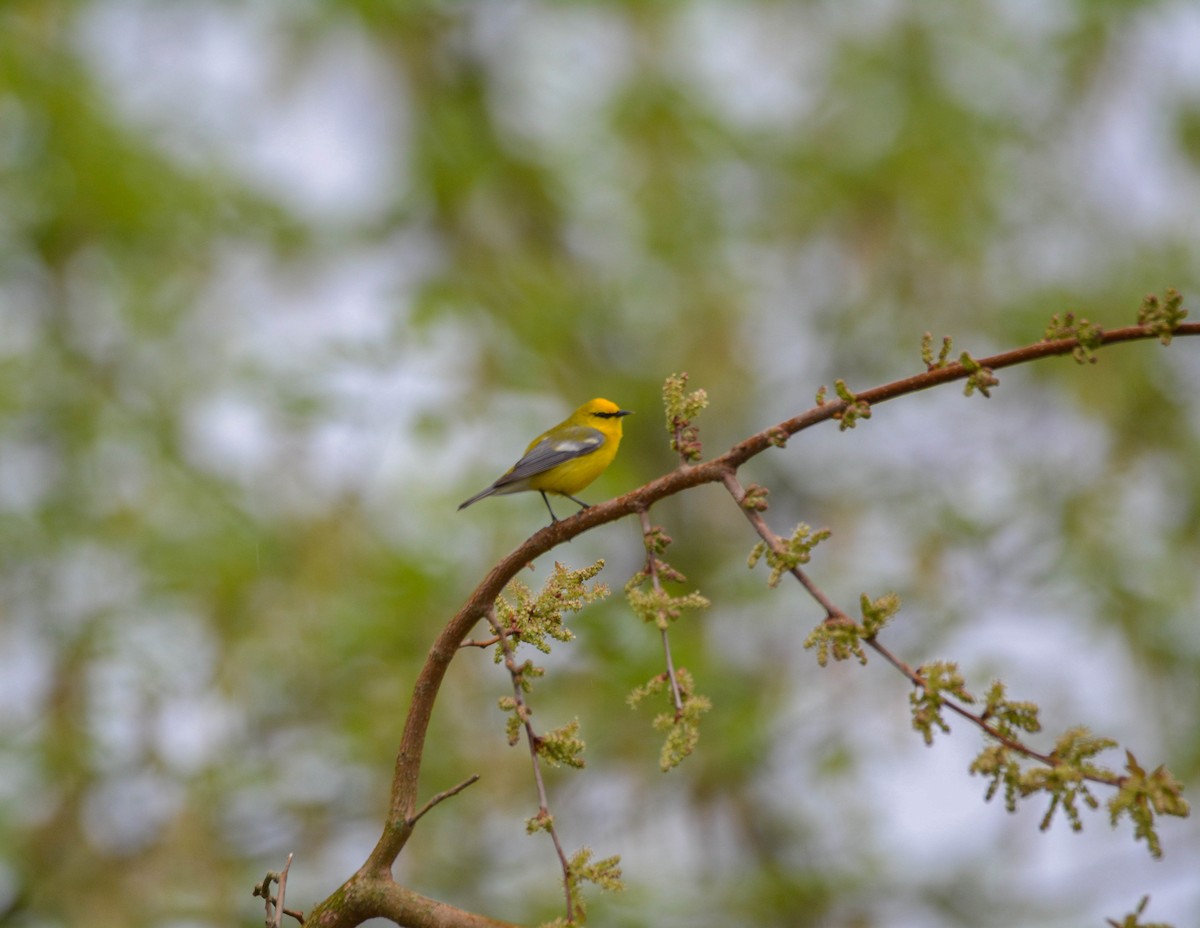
(652, 570)
(770, 437)
(481, 642)
(274, 908)
(977, 719)
(283, 875)
(834, 614)
(738, 492)
(442, 797)
(523, 713)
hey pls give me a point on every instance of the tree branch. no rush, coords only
(408, 760)
(974, 718)
(375, 875)
(544, 819)
(363, 897)
(443, 796)
(652, 570)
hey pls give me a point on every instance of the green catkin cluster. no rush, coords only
(681, 408)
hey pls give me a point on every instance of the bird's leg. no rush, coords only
(581, 503)
(553, 517)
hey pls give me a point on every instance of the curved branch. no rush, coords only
(363, 897)
(446, 646)
(371, 892)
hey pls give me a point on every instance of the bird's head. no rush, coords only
(600, 410)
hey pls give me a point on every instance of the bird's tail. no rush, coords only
(478, 496)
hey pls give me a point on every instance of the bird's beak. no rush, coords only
(623, 412)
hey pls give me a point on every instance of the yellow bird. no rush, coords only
(566, 458)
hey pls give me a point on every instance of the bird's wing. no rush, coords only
(572, 442)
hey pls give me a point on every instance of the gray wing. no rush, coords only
(574, 442)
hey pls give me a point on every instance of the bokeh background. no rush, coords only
(283, 281)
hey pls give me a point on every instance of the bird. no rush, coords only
(566, 458)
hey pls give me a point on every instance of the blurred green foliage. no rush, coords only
(279, 282)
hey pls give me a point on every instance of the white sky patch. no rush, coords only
(26, 662)
(763, 66)
(89, 579)
(231, 435)
(29, 472)
(330, 149)
(554, 70)
(297, 318)
(1125, 145)
(193, 732)
(127, 812)
(323, 136)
